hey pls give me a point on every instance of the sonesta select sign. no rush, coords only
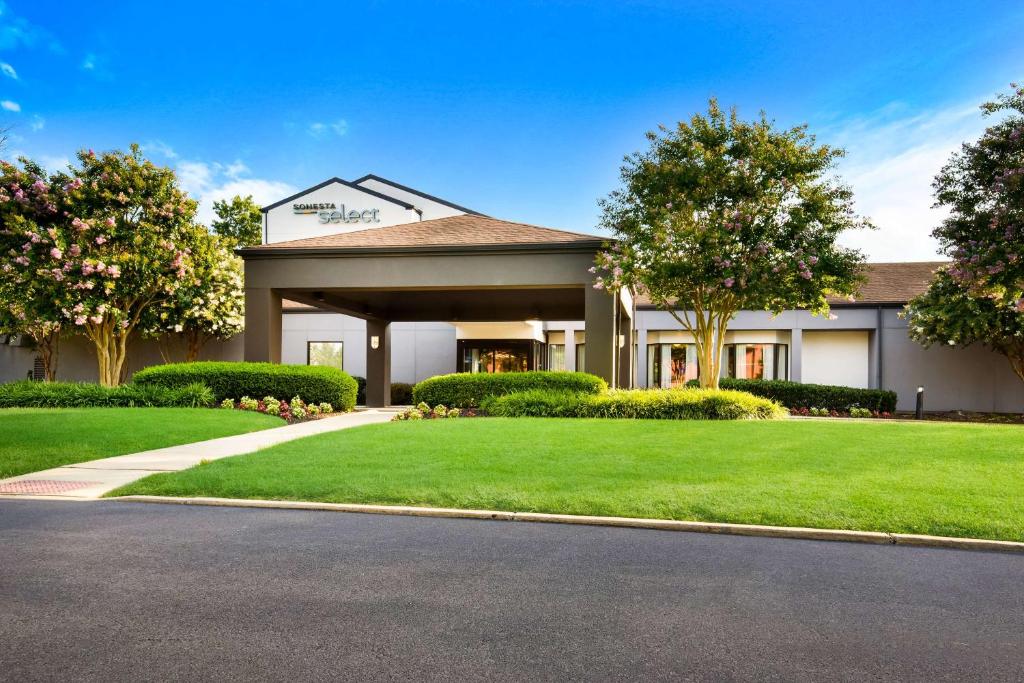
(328, 212)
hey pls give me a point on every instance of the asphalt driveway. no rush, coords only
(113, 590)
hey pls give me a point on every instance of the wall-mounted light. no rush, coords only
(374, 342)
(622, 340)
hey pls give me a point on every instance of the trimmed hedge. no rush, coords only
(650, 404)
(797, 395)
(468, 390)
(312, 383)
(27, 394)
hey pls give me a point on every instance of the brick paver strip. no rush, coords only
(42, 487)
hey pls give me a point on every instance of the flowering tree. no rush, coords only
(720, 215)
(29, 216)
(116, 250)
(207, 305)
(979, 298)
(239, 220)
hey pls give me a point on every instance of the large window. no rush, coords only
(556, 356)
(671, 365)
(325, 353)
(500, 355)
(581, 358)
(756, 361)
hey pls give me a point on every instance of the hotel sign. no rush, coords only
(328, 212)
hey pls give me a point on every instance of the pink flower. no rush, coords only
(728, 282)
(21, 260)
(100, 267)
(114, 271)
(39, 186)
(80, 320)
(56, 253)
(100, 239)
(96, 319)
(88, 269)
(75, 250)
(110, 222)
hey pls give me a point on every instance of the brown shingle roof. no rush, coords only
(457, 231)
(884, 284)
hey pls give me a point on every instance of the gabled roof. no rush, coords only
(371, 176)
(330, 181)
(894, 283)
(463, 231)
(885, 284)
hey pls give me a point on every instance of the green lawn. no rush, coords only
(933, 478)
(33, 439)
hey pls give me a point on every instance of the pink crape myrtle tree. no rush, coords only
(29, 279)
(720, 215)
(979, 297)
(116, 250)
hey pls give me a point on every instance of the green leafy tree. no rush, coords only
(239, 220)
(208, 305)
(720, 215)
(119, 249)
(30, 280)
(979, 297)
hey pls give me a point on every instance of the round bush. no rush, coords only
(799, 395)
(314, 384)
(468, 390)
(647, 404)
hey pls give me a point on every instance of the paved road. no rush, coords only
(114, 590)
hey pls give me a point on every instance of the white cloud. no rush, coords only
(10, 106)
(54, 163)
(16, 32)
(89, 63)
(319, 129)
(160, 148)
(37, 124)
(8, 70)
(892, 158)
(208, 182)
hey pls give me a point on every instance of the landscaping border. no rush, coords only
(805, 533)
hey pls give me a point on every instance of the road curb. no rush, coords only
(876, 537)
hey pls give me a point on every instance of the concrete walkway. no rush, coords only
(90, 480)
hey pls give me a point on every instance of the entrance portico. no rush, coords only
(465, 268)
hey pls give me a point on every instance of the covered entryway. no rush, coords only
(466, 268)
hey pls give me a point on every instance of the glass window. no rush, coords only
(756, 361)
(556, 356)
(581, 357)
(654, 365)
(684, 363)
(325, 353)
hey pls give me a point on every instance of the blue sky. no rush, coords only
(522, 110)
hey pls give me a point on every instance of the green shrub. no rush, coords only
(315, 384)
(468, 390)
(401, 394)
(656, 404)
(797, 395)
(26, 394)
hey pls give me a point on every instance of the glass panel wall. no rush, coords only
(556, 356)
(756, 361)
(671, 365)
(499, 355)
(325, 353)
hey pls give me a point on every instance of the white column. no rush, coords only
(570, 350)
(796, 354)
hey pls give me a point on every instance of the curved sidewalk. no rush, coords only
(90, 480)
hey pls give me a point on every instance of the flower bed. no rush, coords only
(439, 412)
(852, 412)
(295, 410)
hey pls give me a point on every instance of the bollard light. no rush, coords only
(919, 411)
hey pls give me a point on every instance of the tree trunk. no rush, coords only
(194, 341)
(48, 342)
(110, 342)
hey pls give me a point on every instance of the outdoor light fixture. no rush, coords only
(919, 410)
(374, 342)
(622, 340)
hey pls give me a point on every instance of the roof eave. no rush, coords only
(421, 250)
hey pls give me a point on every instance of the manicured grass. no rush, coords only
(931, 478)
(33, 439)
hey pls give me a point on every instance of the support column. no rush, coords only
(626, 354)
(570, 350)
(599, 323)
(262, 325)
(641, 356)
(378, 364)
(796, 354)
